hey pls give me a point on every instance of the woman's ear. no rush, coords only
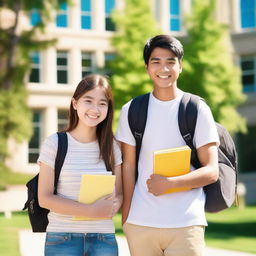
(74, 103)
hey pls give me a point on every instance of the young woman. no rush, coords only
(91, 148)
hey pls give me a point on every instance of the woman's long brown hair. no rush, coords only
(104, 131)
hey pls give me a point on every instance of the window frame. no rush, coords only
(62, 67)
(36, 66)
(247, 89)
(86, 14)
(36, 124)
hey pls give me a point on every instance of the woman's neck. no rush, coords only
(84, 134)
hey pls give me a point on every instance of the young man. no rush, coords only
(170, 224)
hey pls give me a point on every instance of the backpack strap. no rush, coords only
(137, 118)
(60, 157)
(187, 117)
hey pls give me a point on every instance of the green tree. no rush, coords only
(135, 24)
(208, 68)
(16, 45)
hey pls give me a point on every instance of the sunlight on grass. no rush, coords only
(233, 229)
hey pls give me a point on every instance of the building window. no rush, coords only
(62, 16)
(248, 13)
(86, 20)
(35, 17)
(109, 57)
(88, 63)
(34, 143)
(62, 67)
(247, 150)
(62, 119)
(109, 6)
(175, 19)
(35, 68)
(248, 67)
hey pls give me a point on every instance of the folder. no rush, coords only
(172, 162)
(93, 187)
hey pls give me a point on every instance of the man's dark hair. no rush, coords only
(163, 41)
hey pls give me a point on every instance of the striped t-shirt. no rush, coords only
(81, 158)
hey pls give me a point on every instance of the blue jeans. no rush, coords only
(79, 244)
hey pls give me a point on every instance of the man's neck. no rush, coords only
(165, 94)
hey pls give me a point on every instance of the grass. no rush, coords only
(9, 244)
(7, 177)
(232, 229)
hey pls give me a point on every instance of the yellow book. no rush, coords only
(93, 187)
(172, 162)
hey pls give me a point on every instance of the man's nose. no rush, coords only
(165, 68)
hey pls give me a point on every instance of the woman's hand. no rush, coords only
(103, 207)
(117, 203)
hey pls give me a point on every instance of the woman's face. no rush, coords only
(92, 107)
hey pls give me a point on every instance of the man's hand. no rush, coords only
(157, 184)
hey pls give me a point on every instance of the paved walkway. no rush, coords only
(27, 238)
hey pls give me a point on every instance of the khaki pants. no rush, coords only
(148, 241)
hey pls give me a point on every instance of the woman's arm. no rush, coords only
(102, 208)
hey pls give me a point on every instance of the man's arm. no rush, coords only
(129, 166)
(207, 174)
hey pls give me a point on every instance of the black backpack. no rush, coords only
(38, 215)
(219, 195)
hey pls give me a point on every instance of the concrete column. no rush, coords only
(75, 69)
(164, 15)
(236, 16)
(75, 15)
(98, 16)
(50, 121)
(50, 71)
(99, 58)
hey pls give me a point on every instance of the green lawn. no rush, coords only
(7, 177)
(232, 229)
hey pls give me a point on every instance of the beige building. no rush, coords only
(84, 30)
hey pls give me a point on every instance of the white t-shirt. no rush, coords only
(80, 158)
(173, 210)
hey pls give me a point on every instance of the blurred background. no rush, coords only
(47, 46)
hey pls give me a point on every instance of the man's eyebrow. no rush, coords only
(156, 58)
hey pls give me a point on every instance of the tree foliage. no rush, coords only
(16, 45)
(135, 24)
(208, 68)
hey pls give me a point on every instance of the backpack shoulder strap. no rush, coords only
(137, 118)
(187, 117)
(60, 156)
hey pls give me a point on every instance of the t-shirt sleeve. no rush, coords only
(205, 131)
(124, 133)
(117, 153)
(48, 151)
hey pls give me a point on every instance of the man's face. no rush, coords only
(163, 68)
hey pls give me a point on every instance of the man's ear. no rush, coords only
(74, 103)
(180, 67)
